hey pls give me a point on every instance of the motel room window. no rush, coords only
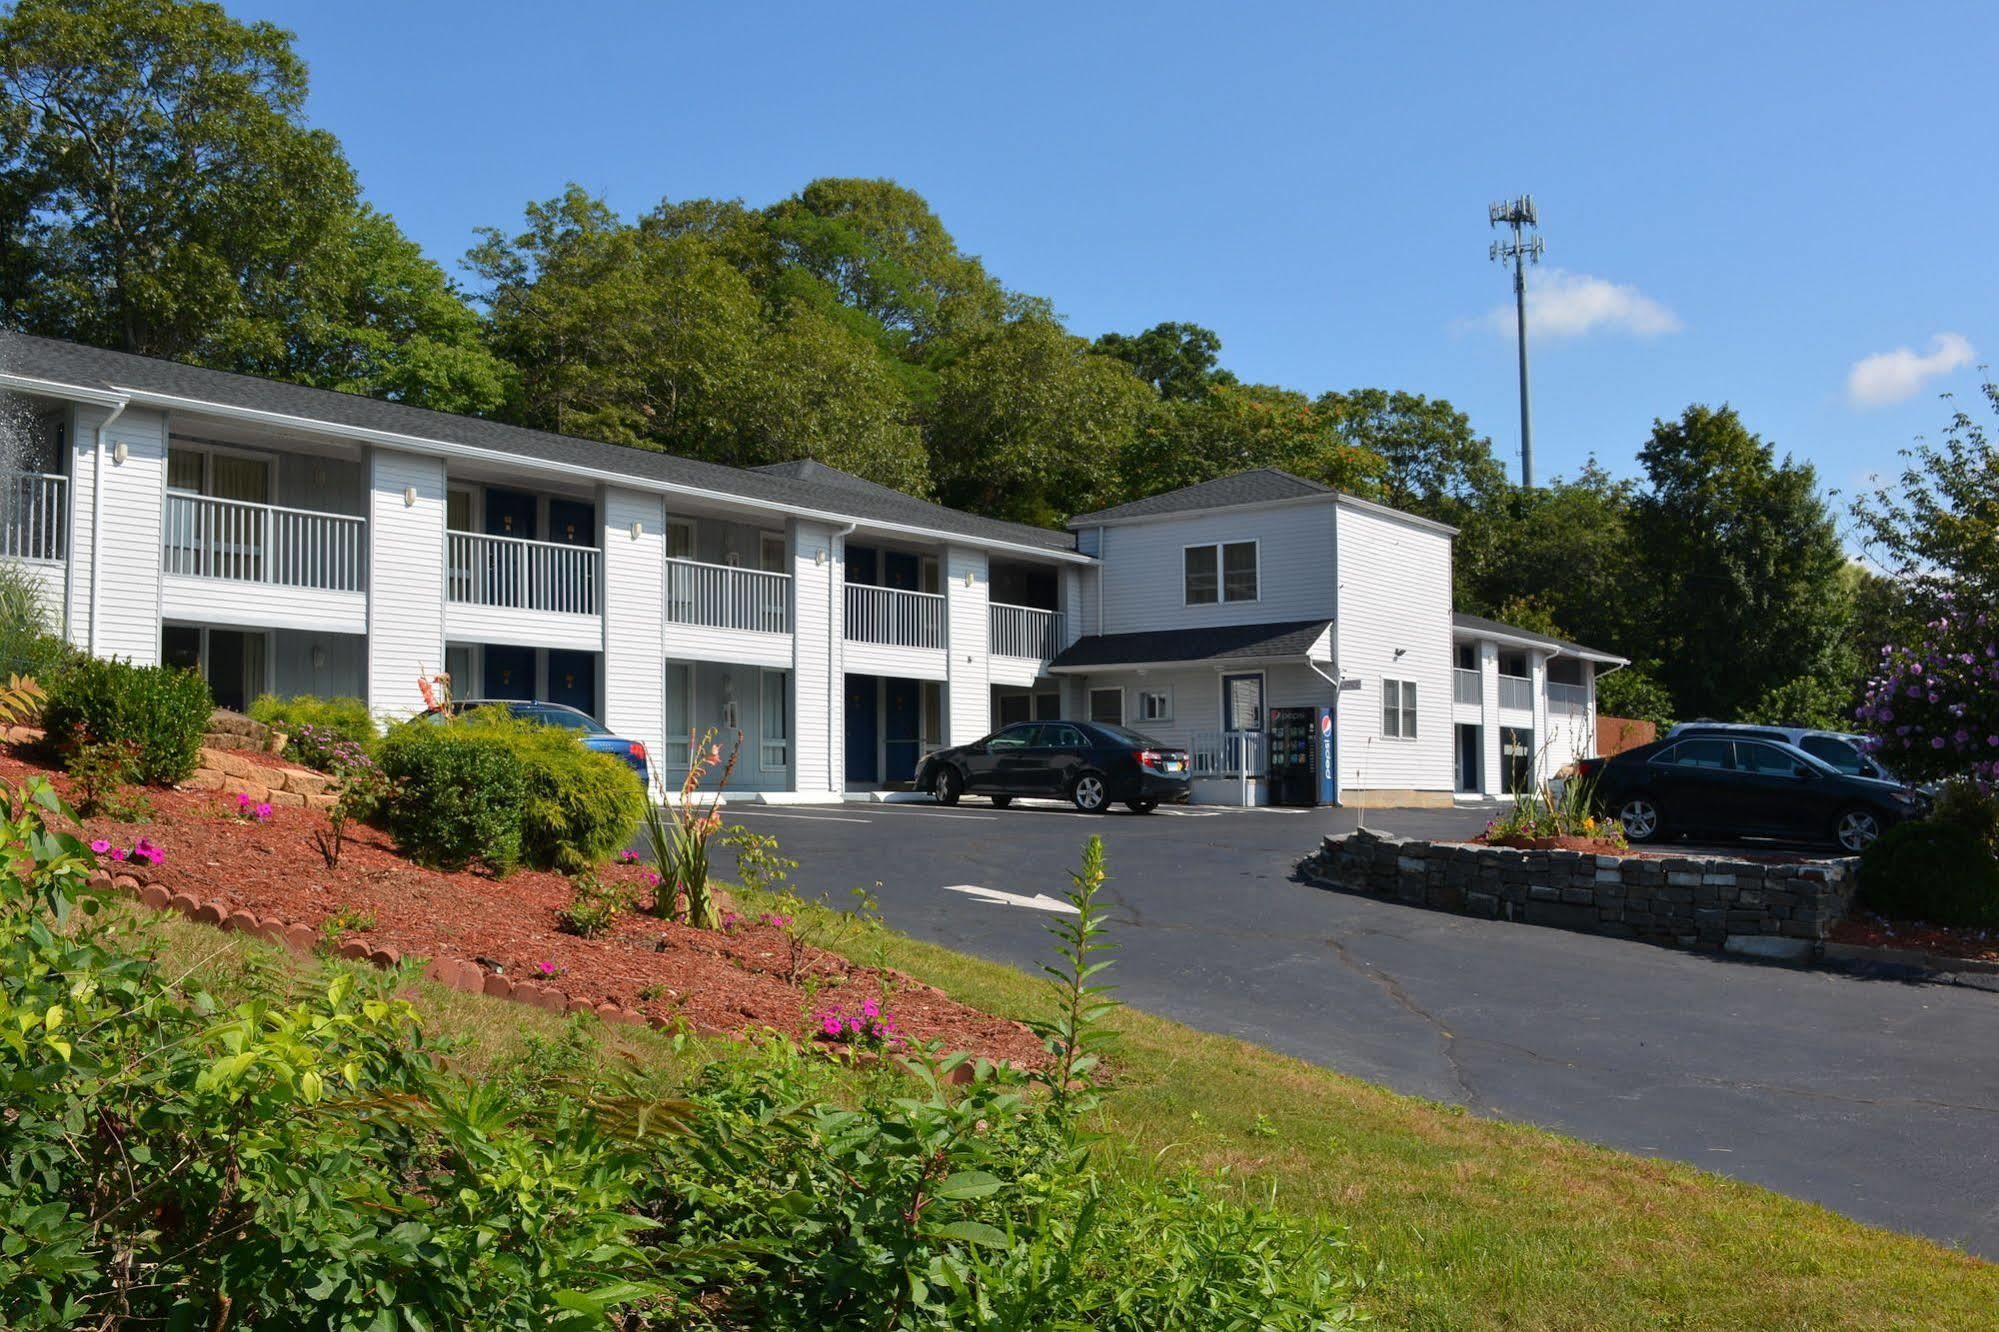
(774, 748)
(1107, 706)
(1155, 705)
(1398, 709)
(1222, 572)
(679, 540)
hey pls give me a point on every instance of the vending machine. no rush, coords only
(1302, 771)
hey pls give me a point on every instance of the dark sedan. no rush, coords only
(1719, 787)
(1091, 764)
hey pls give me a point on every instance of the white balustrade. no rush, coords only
(1465, 686)
(1024, 631)
(518, 574)
(1573, 697)
(1227, 753)
(721, 596)
(34, 509)
(1516, 691)
(207, 537)
(894, 617)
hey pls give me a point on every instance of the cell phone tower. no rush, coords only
(1523, 249)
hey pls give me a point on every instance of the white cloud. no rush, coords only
(1876, 381)
(1561, 304)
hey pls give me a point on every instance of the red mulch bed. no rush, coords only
(731, 981)
(1947, 940)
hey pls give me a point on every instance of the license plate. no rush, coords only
(1173, 765)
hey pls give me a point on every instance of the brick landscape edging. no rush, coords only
(1779, 909)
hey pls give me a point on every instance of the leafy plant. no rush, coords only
(103, 771)
(1565, 811)
(1931, 871)
(1074, 1035)
(579, 807)
(593, 906)
(316, 725)
(455, 795)
(677, 834)
(162, 710)
(361, 789)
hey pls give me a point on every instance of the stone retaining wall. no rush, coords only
(1692, 901)
(230, 773)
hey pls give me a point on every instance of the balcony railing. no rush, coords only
(1024, 631)
(1227, 753)
(517, 574)
(894, 617)
(264, 543)
(1516, 691)
(1465, 686)
(1572, 696)
(720, 596)
(34, 516)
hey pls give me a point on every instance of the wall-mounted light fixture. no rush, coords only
(409, 497)
(319, 656)
(1400, 652)
(968, 578)
(120, 452)
(819, 555)
(638, 529)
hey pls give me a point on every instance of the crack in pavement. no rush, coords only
(1446, 1038)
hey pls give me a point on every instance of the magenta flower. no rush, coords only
(242, 800)
(546, 968)
(869, 1008)
(100, 846)
(119, 853)
(264, 811)
(830, 1024)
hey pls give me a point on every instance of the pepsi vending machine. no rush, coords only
(1302, 771)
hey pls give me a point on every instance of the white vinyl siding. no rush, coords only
(1155, 705)
(1142, 583)
(406, 608)
(634, 589)
(1393, 622)
(128, 586)
(968, 702)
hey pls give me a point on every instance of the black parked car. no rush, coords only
(1733, 788)
(1090, 763)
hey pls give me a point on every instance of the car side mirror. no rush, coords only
(1802, 773)
(1870, 770)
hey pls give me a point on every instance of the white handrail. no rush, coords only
(34, 515)
(1516, 691)
(1466, 686)
(894, 617)
(519, 574)
(207, 537)
(1024, 631)
(1227, 753)
(724, 596)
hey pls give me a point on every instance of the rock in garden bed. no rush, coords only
(742, 978)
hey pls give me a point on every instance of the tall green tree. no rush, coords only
(1741, 563)
(1568, 547)
(1934, 528)
(1231, 427)
(1433, 462)
(163, 194)
(1179, 360)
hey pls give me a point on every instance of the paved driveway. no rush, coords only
(1877, 1098)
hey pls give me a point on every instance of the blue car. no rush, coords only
(557, 714)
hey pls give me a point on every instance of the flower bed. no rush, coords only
(730, 980)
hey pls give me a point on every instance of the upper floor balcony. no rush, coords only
(34, 508)
(1025, 632)
(723, 596)
(895, 617)
(1568, 697)
(514, 573)
(1467, 686)
(227, 560)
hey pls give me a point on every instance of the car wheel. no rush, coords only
(1142, 806)
(1856, 829)
(1090, 793)
(1639, 815)
(945, 784)
(1001, 802)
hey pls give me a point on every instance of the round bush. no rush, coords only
(1929, 871)
(163, 710)
(455, 795)
(580, 807)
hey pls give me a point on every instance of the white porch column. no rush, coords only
(1072, 603)
(405, 579)
(968, 702)
(818, 707)
(1491, 779)
(1545, 759)
(634, 603)
(125, 618)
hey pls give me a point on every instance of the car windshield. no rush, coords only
(555, 715)
(1132, 738)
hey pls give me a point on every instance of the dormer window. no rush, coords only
(1222, 572)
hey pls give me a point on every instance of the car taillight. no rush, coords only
(1148, 758)
(638, 751)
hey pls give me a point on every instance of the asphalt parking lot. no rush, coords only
(1877, 1098)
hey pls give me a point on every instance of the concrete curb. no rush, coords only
(1940, 967)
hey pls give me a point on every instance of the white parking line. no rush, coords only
(816, 818)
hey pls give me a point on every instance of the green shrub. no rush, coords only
(162, 710)
(455, 795)
(1931, 871)
(30, 643)
(1971, 807)
(580, 807)
(316, 724)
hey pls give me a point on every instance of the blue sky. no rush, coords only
(1743, 202)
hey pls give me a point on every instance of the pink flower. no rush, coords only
(869, 1008)
(830, 1024)
(119, 853)
(546, 968)
(264, 811)
(242, 800)
(100, 846)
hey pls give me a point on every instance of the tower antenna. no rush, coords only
(1523, 249)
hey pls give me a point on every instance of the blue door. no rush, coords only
(572, 522)
(902, 728)
(861, 564)
(572, 680)
(901, 570)
(509, 513)
(509, 672)
(862, 727)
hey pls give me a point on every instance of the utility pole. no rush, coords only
(1523, 249)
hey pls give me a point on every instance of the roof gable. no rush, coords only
(1259, 485)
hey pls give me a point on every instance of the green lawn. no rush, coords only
(1470, 1223)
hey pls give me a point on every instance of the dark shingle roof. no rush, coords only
(1287, 638)
(803, 485)
(1478, 624)
(1260, 485)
